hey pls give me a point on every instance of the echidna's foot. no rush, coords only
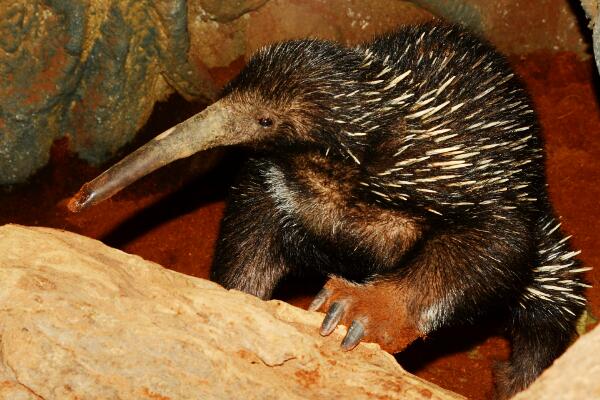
(374, 312)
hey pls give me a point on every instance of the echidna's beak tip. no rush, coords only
(200, 132)
(81, 200)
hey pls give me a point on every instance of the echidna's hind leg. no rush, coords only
(248, 256)
(537, 340)
(544, 319)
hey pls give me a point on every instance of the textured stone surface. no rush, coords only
(90, 70)
(225, 11)
(81, 320)
(574, 376)
(591, 9)
(515, 26)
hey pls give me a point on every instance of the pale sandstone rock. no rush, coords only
(81, 320)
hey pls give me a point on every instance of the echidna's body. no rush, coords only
(426, 168)
(410, 170)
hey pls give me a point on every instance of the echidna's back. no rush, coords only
(469, 115)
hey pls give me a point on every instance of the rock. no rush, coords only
(544, 25)
(80, 320)
(591, 9)
(225, 11)
(573, 376)
(88, 70)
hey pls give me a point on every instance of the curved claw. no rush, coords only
(354, 335)
(332, 318)
(319, 300)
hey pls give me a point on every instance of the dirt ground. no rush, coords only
(172, 216)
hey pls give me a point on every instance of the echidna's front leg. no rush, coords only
(374, 312)
(454, 273)
(248, 256)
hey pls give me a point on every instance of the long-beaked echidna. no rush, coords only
(410, 170)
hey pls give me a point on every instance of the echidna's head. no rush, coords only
(289, 91)
(284, 96)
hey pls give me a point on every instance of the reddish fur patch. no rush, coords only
(382, 306)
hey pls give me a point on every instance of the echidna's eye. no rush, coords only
(265, 122)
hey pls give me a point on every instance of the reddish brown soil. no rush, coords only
(172, 216)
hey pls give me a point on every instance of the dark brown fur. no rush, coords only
(410, 172)
(328, 187)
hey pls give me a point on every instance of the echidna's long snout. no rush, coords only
(213, 127)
